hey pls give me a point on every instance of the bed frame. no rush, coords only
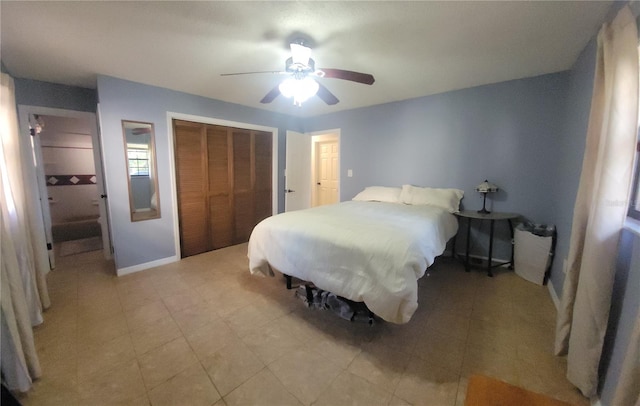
(356, 306)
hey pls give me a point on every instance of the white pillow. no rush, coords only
(448, 199)
(379, 194)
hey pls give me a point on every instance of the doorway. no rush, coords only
(312, 171)
(68, 165)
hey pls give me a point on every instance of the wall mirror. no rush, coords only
(142, 177)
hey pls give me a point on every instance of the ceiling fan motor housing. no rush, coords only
(299, 70)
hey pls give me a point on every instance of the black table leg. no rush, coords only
(466, 260)
(453, 246)
(490, 263)
(511, 264)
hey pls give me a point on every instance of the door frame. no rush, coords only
(43, 195)
(316, 138)
(92, 118)
(226, 123)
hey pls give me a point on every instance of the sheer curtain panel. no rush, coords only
(599, 211)
(24, 261)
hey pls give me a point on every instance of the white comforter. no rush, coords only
(368, 252)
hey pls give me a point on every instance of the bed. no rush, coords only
(372, 249)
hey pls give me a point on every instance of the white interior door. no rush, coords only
(42, 188)
(297, 172)
(105, 226)
(327, 172)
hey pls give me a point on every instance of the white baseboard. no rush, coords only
(554, 296)
(146, 265)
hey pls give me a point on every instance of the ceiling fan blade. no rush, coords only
(359, 77)
(277, 72)
(273, 93)
(326, 95)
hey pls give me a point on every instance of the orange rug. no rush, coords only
(485, 391)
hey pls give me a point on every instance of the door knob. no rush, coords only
(289, 191)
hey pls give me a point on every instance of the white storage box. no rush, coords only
(533, 252)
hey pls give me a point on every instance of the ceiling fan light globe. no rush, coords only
(300, 89)
(306, 89)
(287, 87)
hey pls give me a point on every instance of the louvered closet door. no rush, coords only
(243, 180)
(219, 147)
(192, 198)
(224, 184)
(263, 155)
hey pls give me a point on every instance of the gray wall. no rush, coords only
(507, 132)
(145, 241)
(52, 95)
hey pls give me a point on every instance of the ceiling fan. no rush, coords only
(301, 83)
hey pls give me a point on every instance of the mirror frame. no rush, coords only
(152, 213)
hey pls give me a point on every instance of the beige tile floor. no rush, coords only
(203, 331)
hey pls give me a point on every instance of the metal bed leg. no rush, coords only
(309, 295)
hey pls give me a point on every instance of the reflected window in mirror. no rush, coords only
(138, 160)
(141, 170)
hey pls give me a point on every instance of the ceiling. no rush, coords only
(412, 48)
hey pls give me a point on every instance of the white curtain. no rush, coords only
(24, 262)
(600, 207)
